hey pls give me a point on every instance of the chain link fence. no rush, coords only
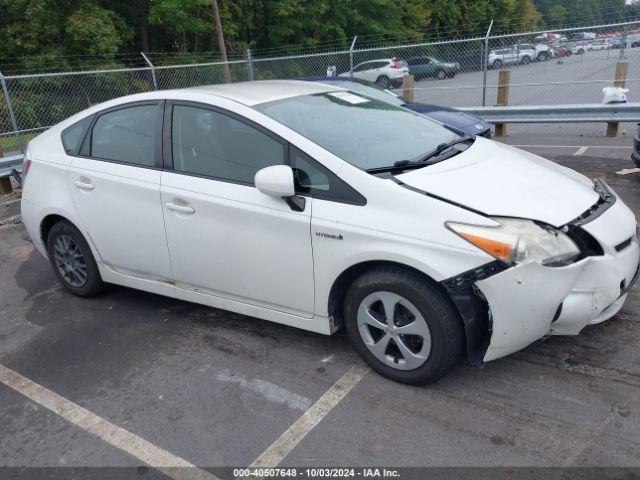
(569, 66)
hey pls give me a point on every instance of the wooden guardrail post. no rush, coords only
(618, 81)
(407, 88)
(5, 183)
(504, 79)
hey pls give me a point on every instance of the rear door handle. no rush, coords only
(84, 185)
(182, 208)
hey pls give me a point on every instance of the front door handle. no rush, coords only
(84, 185)
(182, 208)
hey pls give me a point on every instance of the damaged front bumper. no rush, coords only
(507, 308)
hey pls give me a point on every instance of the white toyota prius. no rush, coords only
(316, 207)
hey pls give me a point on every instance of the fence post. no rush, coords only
(618, 81)
(504, 78)
(624, 42)
(353, 44)
(153, 71)
(485, 61)
(12, 115)
(249, 65)
(407, 88)
(5, 182)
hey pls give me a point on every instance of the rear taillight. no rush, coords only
(25, 168)
(395, 63)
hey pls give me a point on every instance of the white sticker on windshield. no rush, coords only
(349, 97)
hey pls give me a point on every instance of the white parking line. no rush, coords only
(273, 455)
(580, 151)
(167, 463)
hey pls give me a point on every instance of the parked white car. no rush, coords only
(540, 51)
(511, 56)
(599, 45)
(386, 72)
(316, 207)
(580, 49)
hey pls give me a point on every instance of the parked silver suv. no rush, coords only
(514, 55)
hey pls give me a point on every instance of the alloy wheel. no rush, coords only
(70, 261)
(394, 330)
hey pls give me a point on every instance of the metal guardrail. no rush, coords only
(595, 112)
(7, 164)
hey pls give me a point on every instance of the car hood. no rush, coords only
(448, 116)
(500, 180)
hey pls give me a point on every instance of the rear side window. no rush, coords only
(126, 135)
(72, 136)
(211, 144)
(313, 179)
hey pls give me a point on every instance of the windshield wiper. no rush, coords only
(427, 159)
(444, 146)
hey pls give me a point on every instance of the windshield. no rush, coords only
(370, 91)
(363, 131)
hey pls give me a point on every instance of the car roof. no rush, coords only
(263, 91)
(376, 60)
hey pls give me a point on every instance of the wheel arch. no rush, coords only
(51, 218)
(47, 223)
(343, 281)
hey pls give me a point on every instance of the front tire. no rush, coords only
(72, 260)
(403, 325)
(441, 75)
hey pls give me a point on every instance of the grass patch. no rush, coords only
(9, 143)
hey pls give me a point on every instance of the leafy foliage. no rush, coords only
(50, 31)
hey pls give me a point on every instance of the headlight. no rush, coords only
(518, 241)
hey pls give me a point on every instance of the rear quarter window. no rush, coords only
(72, 136)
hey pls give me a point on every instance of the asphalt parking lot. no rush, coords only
(130, 378)
(578, 79)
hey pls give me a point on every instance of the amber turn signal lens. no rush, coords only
(499, 250)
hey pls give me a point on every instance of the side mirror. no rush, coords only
(276, 180)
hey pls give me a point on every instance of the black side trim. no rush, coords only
(473, 307)
(622, 245)
(468, 278)
(296, 203)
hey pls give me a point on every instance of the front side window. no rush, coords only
(211, 144)
(363, 131)
(126, 135)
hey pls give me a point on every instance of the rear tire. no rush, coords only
(497, 65)
(441, 74)
(433, 339)
(72, 260)
(525, 61)
(383, 81)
